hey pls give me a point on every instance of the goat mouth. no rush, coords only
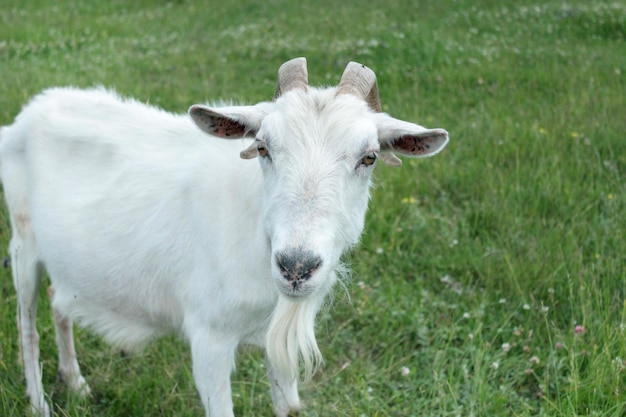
(295, 291)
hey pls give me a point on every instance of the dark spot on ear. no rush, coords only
(412, 144)
(224, 127)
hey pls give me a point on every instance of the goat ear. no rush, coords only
(228, 122)
(408, 139)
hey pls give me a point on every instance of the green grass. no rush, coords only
(476, 265)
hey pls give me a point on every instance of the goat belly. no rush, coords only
(127, 327)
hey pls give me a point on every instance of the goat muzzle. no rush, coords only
(297, 266)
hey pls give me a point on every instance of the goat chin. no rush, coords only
(291, 337)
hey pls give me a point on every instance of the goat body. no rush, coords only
(147, 225)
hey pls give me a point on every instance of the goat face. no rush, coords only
(317, 149)
(317, 153)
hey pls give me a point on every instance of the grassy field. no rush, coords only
(491, 279)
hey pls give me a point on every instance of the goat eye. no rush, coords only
(263, 151)
(368, 160)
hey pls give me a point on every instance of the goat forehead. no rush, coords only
(317, 119)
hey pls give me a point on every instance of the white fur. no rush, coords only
(146, 226)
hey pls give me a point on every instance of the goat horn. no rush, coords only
(360, 81)
(292, 75)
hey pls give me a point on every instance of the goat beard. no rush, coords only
(291, 337)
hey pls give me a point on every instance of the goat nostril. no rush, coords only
(297, 265)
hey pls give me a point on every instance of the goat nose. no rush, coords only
(297, 265)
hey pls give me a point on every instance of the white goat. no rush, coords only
(148, 226)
